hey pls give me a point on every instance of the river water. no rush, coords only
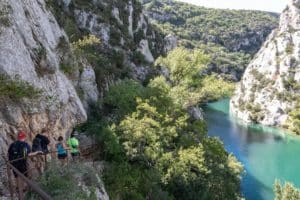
(266, 153)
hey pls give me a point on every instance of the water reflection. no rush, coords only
(266, 153)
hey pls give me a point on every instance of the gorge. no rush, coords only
(128, 76)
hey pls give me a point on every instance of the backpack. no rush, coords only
(41, 143)
(36, 144)
(60, 149)
(17, 150)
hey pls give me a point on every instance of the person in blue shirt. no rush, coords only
(61, 149)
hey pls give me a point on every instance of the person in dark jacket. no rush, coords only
(40, 143)
(18, 152)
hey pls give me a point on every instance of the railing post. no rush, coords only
(10, 185)
(67, 156)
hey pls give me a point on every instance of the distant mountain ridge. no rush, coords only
(231, 37)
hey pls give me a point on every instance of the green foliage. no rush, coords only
(158, 140)
(184, 66)
(126, 181)
(56, 180)
(138, 57)
(230, 65)
(195, 24)
(184, 167)
(65, 68)
(213, 89)
(289, 49)
(16, 89)
(218, 32)
(256, 113)
(189, 86)
(156, 151)
(294, 119)
(291, 84)
(286, 192)
(115, 37)
(105, 62)
(122, 96)
(147, 133)
(257, 75)
(4, 15)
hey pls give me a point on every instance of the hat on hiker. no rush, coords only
(21, 135)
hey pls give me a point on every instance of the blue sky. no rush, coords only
(267, 5)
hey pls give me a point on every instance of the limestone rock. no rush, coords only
(28, 51)
(170, 42)
(268, 90)
(196, 113)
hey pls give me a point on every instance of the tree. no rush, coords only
(286, 192)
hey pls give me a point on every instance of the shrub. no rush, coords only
(289, 49)
(17, 89)
(122, 96)
(4, 16)
(56, 180)
(138, 57)
(286, 192)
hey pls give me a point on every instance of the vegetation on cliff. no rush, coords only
(16, 89)
(231, 37)
(81, 182)
(153, 148)
(286, 192)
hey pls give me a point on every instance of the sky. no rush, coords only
(266, 5)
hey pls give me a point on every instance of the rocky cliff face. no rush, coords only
(126, 36)
(35, 49)
(269, 88)
(29, 37)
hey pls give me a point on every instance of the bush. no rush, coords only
(294, 119)
(122, 96)
(286, 192)
(56, 180)
(17, 89)
(289, 48)
(4, 15)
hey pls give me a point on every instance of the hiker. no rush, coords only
(40, 143)
(73, 143)
(61, 150)
(18, 153)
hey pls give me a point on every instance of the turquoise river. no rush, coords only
(266, 153)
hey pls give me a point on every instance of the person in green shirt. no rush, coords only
(73, 143)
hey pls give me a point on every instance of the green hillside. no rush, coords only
(231, 37)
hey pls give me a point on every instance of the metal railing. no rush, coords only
(33, 185)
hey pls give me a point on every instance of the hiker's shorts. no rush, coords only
(62, 156)
(75, 154)
(22, 167)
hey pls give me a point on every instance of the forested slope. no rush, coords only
(230, 37)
